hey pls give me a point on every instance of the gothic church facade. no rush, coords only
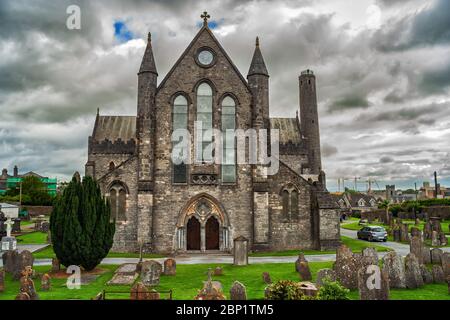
(203, 206)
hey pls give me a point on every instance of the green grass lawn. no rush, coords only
(189, 280)
(32, 238)
(355, 245)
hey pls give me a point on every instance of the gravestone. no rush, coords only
(415, 232)
(45, 282)
(370, 255)
(16, 225)
(395, 269)
(56, 266)
(426, 255)
(443, 239)
(23, 296)
(438, 274)
(412, 272)
(210, 290)
(240, 257)
(9, 260)
(218, 271)
(24, 259)
(2, 280)
(238, 291)
(27, 284)
(151, 272)
(396, 233)
(427, 230)
(139, 292)
(404, 232)
(170, 267)
(427, 276)
(125, 274)
(446, 263)
(323, 274)
(346, 267)
(266, 278)
(416, 247)
(8, 242)
(417, 221)
(2, 225)
(45, 226)
(368, 285)
(308, 289)
(302, 267)
(435, 240)
(436, 256)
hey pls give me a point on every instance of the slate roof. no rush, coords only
(354, 198)
(289, 130)
(258, 65)
(115, 127)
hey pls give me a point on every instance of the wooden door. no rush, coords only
(212, 234)
(193, 234)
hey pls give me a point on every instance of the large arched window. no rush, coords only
(118, 201)
(228, 130)
(204, 118)
(179, 121)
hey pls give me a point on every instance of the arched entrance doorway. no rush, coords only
(212, 236)
(202, 225)
(193, 234)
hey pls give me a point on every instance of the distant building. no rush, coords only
(13, 181)
(356, 202)
(428, 192)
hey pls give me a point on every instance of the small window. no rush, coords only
(285, 202)
(112, 166)
(294, 202)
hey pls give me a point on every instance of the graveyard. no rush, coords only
(421, 275)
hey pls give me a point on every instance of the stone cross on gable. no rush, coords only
(8, 223)
(205, 16)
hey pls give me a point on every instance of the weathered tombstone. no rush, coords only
(9, 260)
(45, 282)
(404, 234)
(417, 221)
(218, 271)
(426, 255)
(323, 274)
(436, 256)
(238, 291)
(56, 266)
(427, 276)
(415, 232)
(266, 278)
(27, 284)
(139, 292)
(45, 226)
(446, 263)
(427, 230)
(416, 247)
(396, 233)
(16, 225)
(24, 259)
(170, 267)
(302, 267)
(438, 274)
(151, 272)
(2, 280)
(301, 258)
(435, 241)
(395, 269)
(371, 288)
(370, 255)
(210, 291)
(240, 251)
(412, 272)
(443, 239)
(346, 267)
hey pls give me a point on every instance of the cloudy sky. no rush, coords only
(382, 67)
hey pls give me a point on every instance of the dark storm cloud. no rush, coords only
(386, 159)
(430, 26)
(349, 102)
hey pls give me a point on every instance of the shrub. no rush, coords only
(82, 233)
(284, 290)
(332, 290)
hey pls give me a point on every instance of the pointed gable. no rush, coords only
(258, 66)
(204, 38)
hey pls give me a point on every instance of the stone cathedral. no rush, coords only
(169, 207)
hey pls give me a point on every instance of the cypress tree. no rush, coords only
(82, 233)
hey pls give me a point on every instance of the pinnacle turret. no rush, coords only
(148, 61)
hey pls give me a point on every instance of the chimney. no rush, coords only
(16, 172)
(436, 187)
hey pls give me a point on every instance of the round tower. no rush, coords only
(309, 119)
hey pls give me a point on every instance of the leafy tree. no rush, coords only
(82, 233)
(34, 192)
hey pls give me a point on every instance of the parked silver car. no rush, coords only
(373, 233)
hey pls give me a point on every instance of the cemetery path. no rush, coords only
(31, 247)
